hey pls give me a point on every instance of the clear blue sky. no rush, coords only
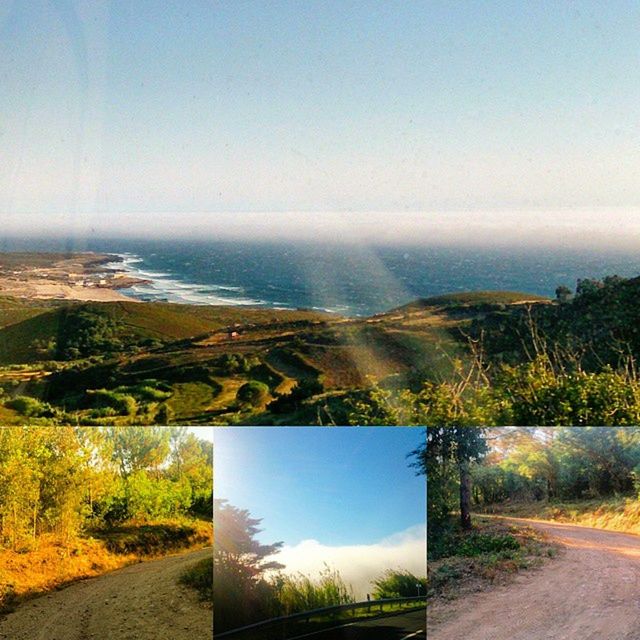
(340, 486)
(217, 106)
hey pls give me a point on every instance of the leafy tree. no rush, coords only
(420, 455)
(451, 448)
(87, 331)
(240, 562)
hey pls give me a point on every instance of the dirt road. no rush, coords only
(592, 591)
(140, 602)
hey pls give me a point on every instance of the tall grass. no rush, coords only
(300, 592)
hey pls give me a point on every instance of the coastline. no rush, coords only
(151, 286)
(84, 277)
(92, 276)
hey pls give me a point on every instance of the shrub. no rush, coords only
(478, 543)
(200, 577)
(253, 393)
(30, 407)
(398, 584)
(124, 404)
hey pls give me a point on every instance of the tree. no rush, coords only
(458, 446)
(239, 565)
(136, 448)
(420, 455)
(563, 293)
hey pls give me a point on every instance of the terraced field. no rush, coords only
(126, 362)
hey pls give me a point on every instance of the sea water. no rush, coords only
(347, 279)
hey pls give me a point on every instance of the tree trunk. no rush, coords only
(465, 496)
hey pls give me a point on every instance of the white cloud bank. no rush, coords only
(360, 564)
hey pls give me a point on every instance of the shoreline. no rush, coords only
(91, 276)
(83, 277)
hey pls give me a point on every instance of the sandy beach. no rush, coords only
(82, 277)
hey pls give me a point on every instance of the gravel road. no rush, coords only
(140, 602)
(590, 592)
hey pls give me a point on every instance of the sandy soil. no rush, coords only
(592, 591)
(140, 602)
(45, 290)
(54, 276)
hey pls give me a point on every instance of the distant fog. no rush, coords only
(605, 228)
(360, 564)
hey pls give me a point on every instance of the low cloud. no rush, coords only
(360, 564)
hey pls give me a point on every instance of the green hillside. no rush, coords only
(469, 354)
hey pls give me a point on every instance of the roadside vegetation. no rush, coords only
(200, 578)
(579, 475)
(588, 476)
(77, 502)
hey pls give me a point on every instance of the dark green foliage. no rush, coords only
(30, 407)
(253, 393)
(291, 402)
(420, 455)
(84, 332)
(200, 578)
(202, 506)
(450, 451)
(231, 363)
(164, 415)
(478, 543)
(124, 404)
(598, 326)
(148, 539)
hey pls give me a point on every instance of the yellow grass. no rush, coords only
(53, 563)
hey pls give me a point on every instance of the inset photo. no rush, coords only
(533, 533)
(105, 533)
(320, 533)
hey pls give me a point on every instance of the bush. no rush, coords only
(200, 577)
(156, 498)
(478, 543)
(87, 332)
(253, 393)
(398, 584)
(125, 405)
(30, 407)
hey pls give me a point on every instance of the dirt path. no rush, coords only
(140, 602)
(592, 591)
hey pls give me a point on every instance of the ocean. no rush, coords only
(345, 279)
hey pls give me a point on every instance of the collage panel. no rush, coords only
(105, 533)
(533, 532)
(319, 533)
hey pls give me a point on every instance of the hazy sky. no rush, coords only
(337, 485)
(410, 109)
(342, 496)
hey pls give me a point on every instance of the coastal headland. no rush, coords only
(64, 276)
